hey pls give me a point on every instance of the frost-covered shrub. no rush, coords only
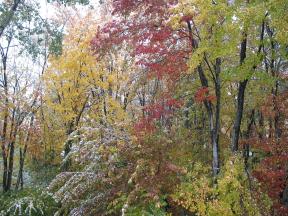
(28, 202)
(95, 168)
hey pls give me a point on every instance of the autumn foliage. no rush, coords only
(144, 107)
(159, 113)
(272, 170)
(157, 47)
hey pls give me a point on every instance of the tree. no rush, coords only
(22, 32)
(7, 15)
(162, 50)
(78, 86)
(272, 169)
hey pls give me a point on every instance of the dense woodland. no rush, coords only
(144, 107)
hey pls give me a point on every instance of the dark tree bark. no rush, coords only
(20, 181)
(11, 146)
(214, 118)
(21, 168)
(68, 146)
(239, 115)
(261, 124)
(4, 142)
(216, 162)
(248, 134)
(11, 164)
(72, 126)
(4, 134)
(242, 88)
(240, 100)
(275, 74)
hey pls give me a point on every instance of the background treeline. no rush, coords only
(125, 107)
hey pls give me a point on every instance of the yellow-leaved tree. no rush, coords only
(78, 86)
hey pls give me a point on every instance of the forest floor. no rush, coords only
(35, 174)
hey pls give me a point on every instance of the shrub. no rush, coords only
(234, 194)
(27, 202)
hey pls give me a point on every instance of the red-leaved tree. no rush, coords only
(272, 171)
(161, 51)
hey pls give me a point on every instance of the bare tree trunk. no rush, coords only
(214, 124)
(11, 159)
(213, 130)
(23, 154)
(278, 131)
(248, 134)
(72, 126)
(4, 142)
(242, 88)
(4, 148)
(20, 172)
(13, 133)
(240, 99)
(5, 166)
(239, 115)
(5, 123)
(216, 163)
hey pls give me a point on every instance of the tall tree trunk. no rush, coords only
(239, 115)
(13, 133)
(5, 166)
(4, 150)
(242, 88)
(248, 134)
(214, 124)
(240, 99)
(20, 172)
(4, 142)
(274, 73)
(213, 130)
(5, 124)
(20, 181)
(216, 163)
(11, 159)
(72, 126)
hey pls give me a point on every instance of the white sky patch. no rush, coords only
(46, 9)
(50, 10)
